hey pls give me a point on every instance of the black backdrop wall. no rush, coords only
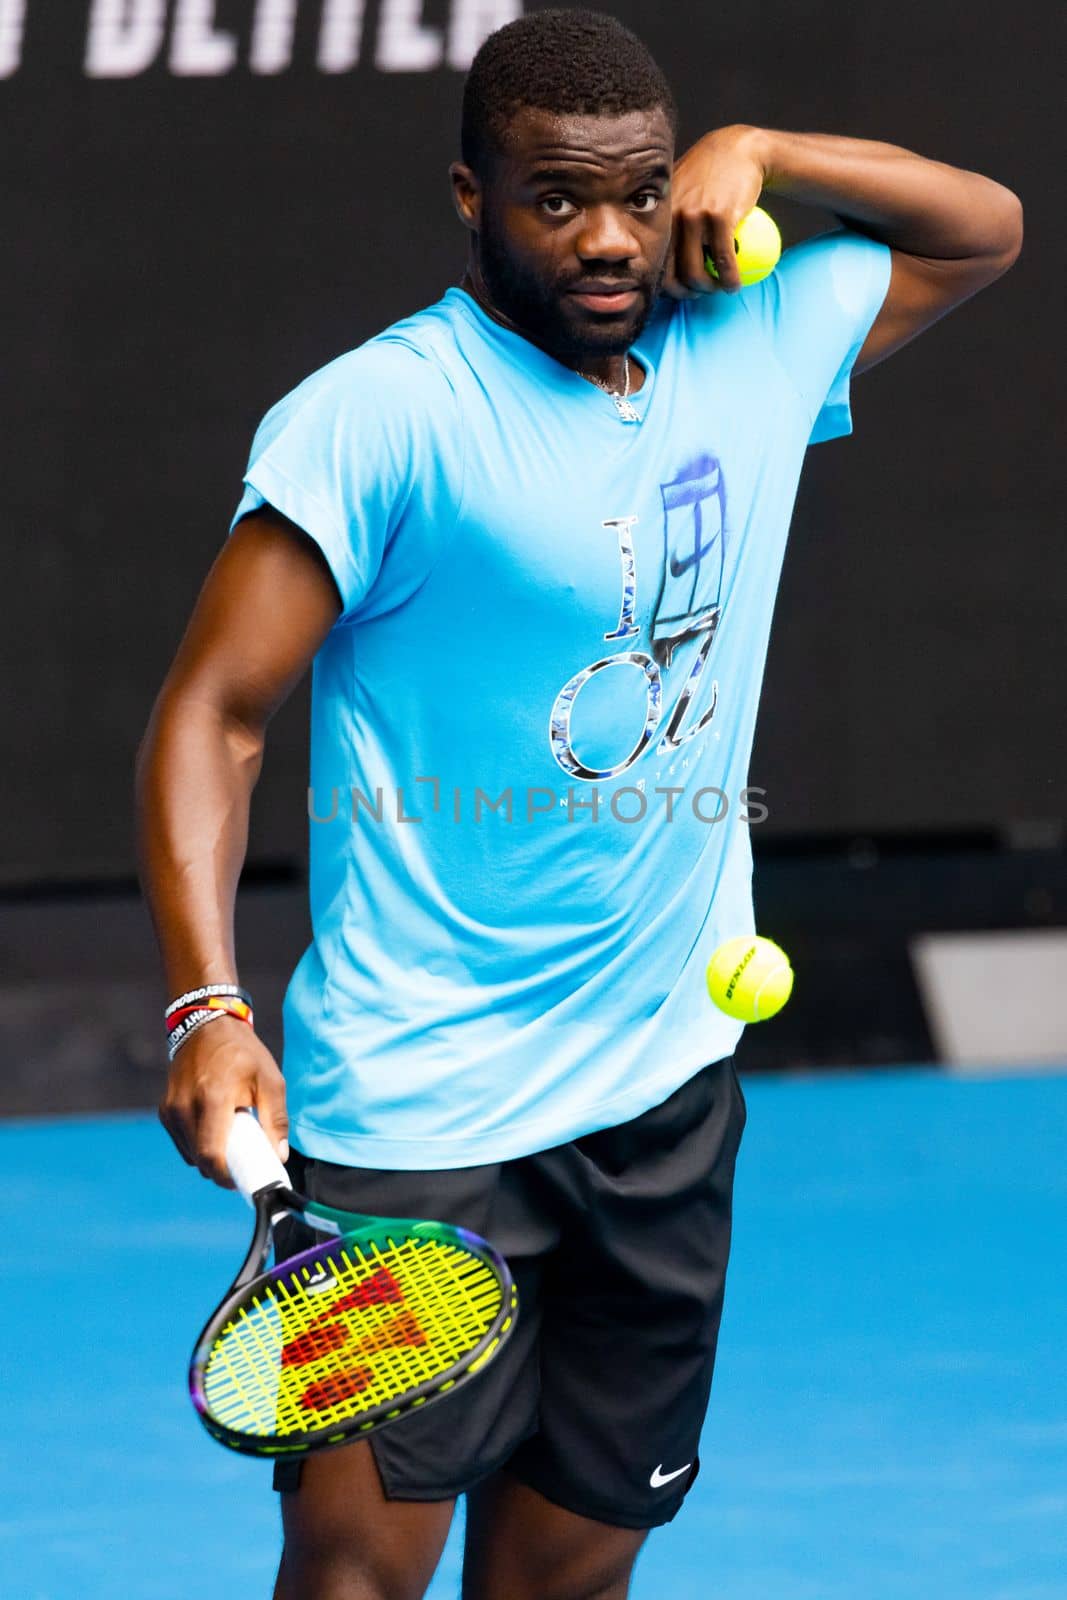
(204, 202)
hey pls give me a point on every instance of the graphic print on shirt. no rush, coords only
(688, 606)
(694, 552)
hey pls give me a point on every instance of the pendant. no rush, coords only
(625, 409)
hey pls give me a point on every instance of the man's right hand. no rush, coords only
(223, 1066)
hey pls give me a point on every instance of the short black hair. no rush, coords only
(573, 62)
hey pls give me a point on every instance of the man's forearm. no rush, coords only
(196, 770)
(920, 206)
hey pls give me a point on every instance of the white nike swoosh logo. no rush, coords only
(659, 1477)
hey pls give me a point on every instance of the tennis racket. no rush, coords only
(386, 1316)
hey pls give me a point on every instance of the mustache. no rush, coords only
(604, 285)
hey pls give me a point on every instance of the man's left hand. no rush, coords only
(715, 184)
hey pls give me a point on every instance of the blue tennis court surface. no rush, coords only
(889, 1419)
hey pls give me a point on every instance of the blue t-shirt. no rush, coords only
(531, 722)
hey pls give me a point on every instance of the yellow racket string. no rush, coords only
(352, 1331)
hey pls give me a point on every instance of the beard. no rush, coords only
(546, 314)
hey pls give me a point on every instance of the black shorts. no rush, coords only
(618, 1242)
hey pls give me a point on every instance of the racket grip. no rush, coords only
(251, 1157)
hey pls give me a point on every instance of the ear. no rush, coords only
(466, 195)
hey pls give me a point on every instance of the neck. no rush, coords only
(608, 370)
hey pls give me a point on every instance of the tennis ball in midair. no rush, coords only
(750, 978)
(758, 244)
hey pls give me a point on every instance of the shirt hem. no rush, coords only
(428, 1153)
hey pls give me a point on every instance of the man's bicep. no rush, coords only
(265, 608)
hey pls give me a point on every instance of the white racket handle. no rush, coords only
(251, 1157)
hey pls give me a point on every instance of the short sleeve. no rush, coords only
(816, 309)
(366, 457)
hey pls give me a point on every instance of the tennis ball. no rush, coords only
(750, 978)
(758, 244)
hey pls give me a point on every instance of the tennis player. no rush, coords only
(529, 539)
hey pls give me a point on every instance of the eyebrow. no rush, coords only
(571, 175)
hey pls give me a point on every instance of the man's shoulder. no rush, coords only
(405, 362)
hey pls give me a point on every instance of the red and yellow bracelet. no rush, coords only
(197, 1007)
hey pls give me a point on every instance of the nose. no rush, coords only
(606, 236)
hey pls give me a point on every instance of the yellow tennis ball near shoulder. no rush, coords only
(758, 244)
(750, 978)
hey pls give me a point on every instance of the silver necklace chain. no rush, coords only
(621, 397)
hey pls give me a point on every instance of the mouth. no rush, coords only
(605, 299)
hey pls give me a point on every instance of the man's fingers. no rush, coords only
(272, 1113)
(172, 1121)
(722, 249)
(696, 241)
(216, 1120)
(670, 284)
(689, 256)
(226, 1066)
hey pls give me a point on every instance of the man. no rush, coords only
(529, 538)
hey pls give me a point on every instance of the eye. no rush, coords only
(557, 205)
(650, 195)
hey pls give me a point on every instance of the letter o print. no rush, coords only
(559, 731)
